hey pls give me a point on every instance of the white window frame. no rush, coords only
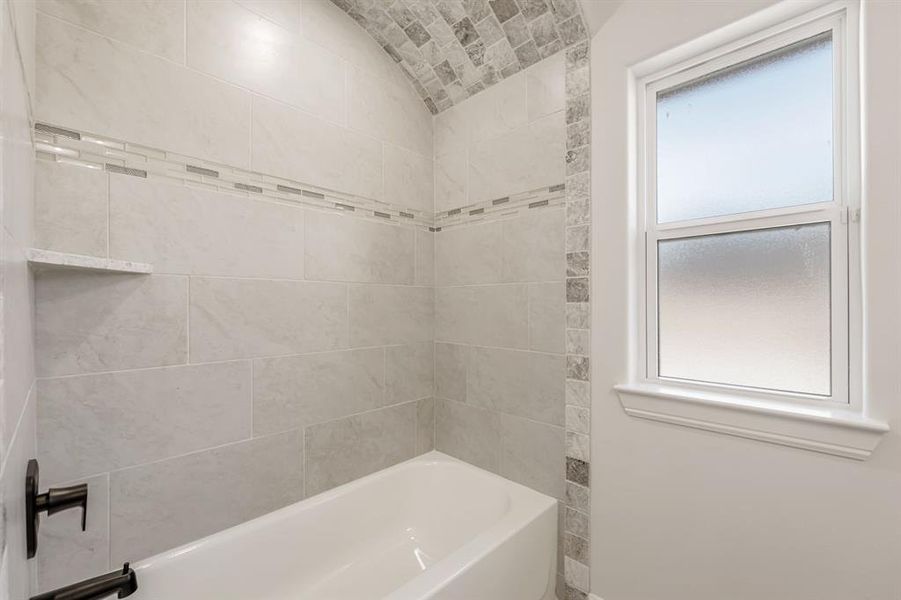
(769, 415)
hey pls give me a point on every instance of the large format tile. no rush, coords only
(388, 112)
(547, 320)
(527, 384)
(410, 372)
(425, 257)
(186, 230)
(70, 209)
(342, 247)
(94, 84)
(66, 557)
(469, 254)
(451, 363)
(290, 143)
(546, 86)
(527, 158)
(390, 314)
(451, 187)
(425, 425)
(231, 42)
(284, 12)
(165, 504)
(469, 433)
(239, 318)
(408, 179)
(532, 454)
(533, 246)
(18, 336)
(88, 322)
(295, 391)
(487, 315)
(95, 423)
(155, 26)
(340, 451)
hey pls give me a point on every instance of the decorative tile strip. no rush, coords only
(577, 501)
(97, 152)
(502, 207)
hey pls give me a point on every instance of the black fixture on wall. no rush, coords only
(123, 583)
(52, 501)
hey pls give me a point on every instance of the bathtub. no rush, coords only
(432, 527)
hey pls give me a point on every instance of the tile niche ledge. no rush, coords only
(830, 431)
(43, 260)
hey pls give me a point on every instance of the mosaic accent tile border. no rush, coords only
(452, 49)
(577, 502)
(83, 149)
(498, 208)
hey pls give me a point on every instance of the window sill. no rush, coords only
(826, 430)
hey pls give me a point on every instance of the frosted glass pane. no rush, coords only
(751, 137)
(749, 308)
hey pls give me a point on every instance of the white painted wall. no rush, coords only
(684, 514)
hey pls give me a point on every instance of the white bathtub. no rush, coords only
(432, 527)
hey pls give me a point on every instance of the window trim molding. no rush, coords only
(831, 427)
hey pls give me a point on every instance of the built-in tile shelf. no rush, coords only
(43, 260)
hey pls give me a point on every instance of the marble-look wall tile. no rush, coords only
(179, 229)
(156, 26)
(546, 317)
(327, 25)
(451, 364)
(295, 391)
(64, 557)
(387, 314)
(409, 181)
(468, 433)
(161, 505)
(388, 112)
(451, 186)
(425, 425)
(532, 454)
(425, 258)
(95, 423)
(94, 84)
(533, 246)
(343, 450)
(284, 12)
(231, 42)
(290, 143)
(70, 209)
(18, 349)
(486, 315)
(410, 372)
(88, 322)
(525, 159)
(471, 254)
(239, 318)
(546, 87)
(343, 247)
(526, 384)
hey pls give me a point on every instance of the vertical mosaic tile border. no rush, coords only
(452, 49)
(577, 501)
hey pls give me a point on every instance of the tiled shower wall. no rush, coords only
(314, 345)
(512, 314)
(279, 348)
(17, 397)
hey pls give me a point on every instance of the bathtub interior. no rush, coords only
(372, 535)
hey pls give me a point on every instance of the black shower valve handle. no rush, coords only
(52, 501)
(57, 500)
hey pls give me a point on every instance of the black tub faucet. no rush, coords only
(124, 583)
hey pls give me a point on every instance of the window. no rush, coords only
(748, 201)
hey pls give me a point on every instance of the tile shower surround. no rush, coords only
(453, 49)
(523, 428)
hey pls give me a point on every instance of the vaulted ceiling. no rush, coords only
(452, 49)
